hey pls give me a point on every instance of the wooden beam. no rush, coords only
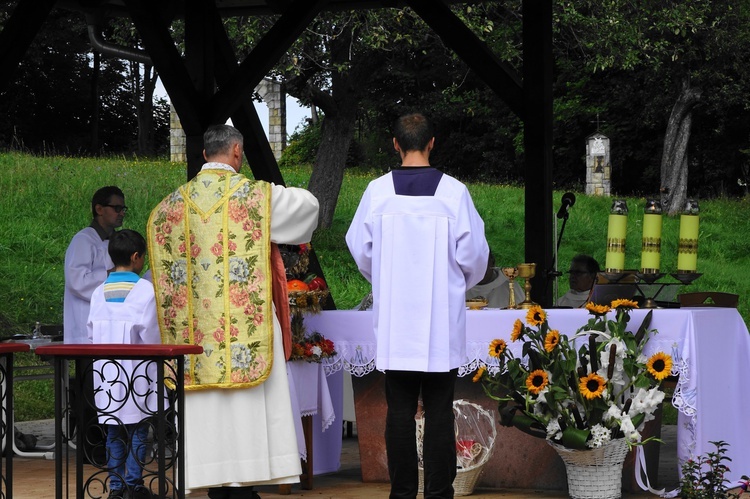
(258, 151)
(537, 142)
(498, 75)
(264, 55)
(18, 33)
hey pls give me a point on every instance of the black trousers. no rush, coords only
(402, 389)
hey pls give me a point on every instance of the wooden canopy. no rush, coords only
(207, 85)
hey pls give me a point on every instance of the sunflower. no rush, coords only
(478, 375)
(659, 365)
(623, 303)
(536, 316)
(551, 340)
(537, 381)
(517, 330)
(597, 309)
(592, 386)
(497, 347)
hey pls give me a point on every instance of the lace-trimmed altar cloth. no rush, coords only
(710, 347)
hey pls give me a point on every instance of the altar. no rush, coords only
(709, 346)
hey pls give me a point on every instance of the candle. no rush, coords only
(651, 241)
(687, 249)
(616, 231)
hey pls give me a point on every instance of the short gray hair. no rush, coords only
(218, 139)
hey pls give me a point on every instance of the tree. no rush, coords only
(685, 43)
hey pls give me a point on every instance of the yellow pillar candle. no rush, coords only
(687, 249)
(616, 231)
(651, 241)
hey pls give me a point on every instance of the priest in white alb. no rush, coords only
(219, 280)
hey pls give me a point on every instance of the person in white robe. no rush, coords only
(495, 288)
(417, 237)
(238, 437)
(87, 261)
(581, 277)
(123, 311)
(87, 264)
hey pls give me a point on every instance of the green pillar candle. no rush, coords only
(651, 241)
(616, 232)
(687, 249)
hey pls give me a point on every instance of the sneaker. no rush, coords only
(116, 494)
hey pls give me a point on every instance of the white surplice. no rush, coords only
(246, 436)
(132, 322)
(573, 298)
(86, 264)
(399, 243)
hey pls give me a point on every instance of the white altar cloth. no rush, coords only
(308, 389)
(710, 348)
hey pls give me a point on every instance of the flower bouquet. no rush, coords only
(579, 392)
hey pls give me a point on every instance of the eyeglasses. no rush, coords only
(119, 208)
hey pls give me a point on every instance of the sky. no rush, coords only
(295, 113)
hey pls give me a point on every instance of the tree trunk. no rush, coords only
(95, 102)
(328, 172)
(674, 161)
(146, 113)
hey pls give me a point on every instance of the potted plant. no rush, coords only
(588, 394)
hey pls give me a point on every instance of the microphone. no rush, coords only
(568, 200)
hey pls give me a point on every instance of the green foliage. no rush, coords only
(703, 477)
(303, 146)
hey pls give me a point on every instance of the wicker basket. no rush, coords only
(594, 473)
(466, 476)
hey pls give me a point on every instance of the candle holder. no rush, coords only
(527, 271)
(686, 277)
(511, 273)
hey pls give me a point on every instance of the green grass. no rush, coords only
(45, 200)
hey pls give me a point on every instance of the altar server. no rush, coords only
(123, 311)
(417, 237)
(217, 285)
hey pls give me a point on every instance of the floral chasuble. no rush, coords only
(209, 249)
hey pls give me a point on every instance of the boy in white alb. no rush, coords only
(123, 311)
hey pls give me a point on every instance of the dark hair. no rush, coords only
(592, 266)
(413, 132)
(123, 244)
(219, 139)
(103, 195)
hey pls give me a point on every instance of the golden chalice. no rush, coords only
(511, 273)
(526, 271)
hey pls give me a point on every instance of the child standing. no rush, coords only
(123, 311)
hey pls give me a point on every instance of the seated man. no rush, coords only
(495, 287)
(582, 276)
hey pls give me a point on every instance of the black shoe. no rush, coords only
(116, 494)
(218, 493)
(141, 492)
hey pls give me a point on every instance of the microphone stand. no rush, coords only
(553, 273)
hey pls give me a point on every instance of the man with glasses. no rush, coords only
(87, 265)
(582, 275)
(87, 262)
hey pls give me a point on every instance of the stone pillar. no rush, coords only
(176, 138)
(598, 168)
(272, 93)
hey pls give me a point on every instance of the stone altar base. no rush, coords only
(519, 461)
